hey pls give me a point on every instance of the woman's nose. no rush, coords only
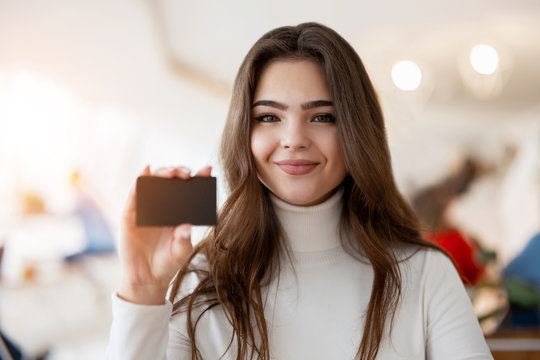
(295, 136)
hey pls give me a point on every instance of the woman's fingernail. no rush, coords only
(185, 233)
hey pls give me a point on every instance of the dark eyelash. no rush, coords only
(330, 118)
(262, 117)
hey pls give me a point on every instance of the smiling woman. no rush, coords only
(316, 255)
(294, 138)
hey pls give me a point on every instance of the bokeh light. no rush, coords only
(484, 59)
(406, 75)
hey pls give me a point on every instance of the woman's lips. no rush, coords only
(296, 167)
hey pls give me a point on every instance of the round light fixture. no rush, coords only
(484, 59)
(406, 75)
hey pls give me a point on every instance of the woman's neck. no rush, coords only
(311, 228)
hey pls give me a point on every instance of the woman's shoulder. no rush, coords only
(425, 261)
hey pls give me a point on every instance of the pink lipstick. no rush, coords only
(296, 166)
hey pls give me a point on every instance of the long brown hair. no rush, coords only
(244, 249)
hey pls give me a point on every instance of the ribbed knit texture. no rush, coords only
(311, 228)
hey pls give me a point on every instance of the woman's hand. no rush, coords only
(151, 256)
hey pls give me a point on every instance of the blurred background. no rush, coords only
(92, 91)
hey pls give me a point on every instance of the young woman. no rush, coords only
(316, 255)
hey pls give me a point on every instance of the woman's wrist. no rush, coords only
(153, 294)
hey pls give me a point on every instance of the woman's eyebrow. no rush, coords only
(305, 106)
(316, 103)
(270, 103)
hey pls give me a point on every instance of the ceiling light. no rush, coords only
(406, 75)
(484, 59)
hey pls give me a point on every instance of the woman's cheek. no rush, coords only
(260, 144)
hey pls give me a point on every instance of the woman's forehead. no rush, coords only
(292, 81)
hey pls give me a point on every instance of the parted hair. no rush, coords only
(245, 247)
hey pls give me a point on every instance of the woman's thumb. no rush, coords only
(182, 242)
(183, 232)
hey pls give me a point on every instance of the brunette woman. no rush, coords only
(316, 255)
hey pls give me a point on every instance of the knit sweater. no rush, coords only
(315, 308)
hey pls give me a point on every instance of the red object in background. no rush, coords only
(464, 254)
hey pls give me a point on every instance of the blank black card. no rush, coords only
(170, 202)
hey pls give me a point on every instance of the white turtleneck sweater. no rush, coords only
(316, 309)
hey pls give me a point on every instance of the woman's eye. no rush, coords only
(327, 118)
(267, 118)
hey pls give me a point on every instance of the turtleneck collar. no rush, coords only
(311, 228)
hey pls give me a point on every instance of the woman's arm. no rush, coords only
(149, 258)
(138, 331)
(453, 331)
(144, 332)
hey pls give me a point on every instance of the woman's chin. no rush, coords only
(303, 199)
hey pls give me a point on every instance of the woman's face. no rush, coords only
(294, 138)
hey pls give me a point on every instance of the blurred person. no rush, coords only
(431, 205)
(315, 255)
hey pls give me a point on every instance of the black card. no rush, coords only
(170, 202)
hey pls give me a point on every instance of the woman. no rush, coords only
(316, 255)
